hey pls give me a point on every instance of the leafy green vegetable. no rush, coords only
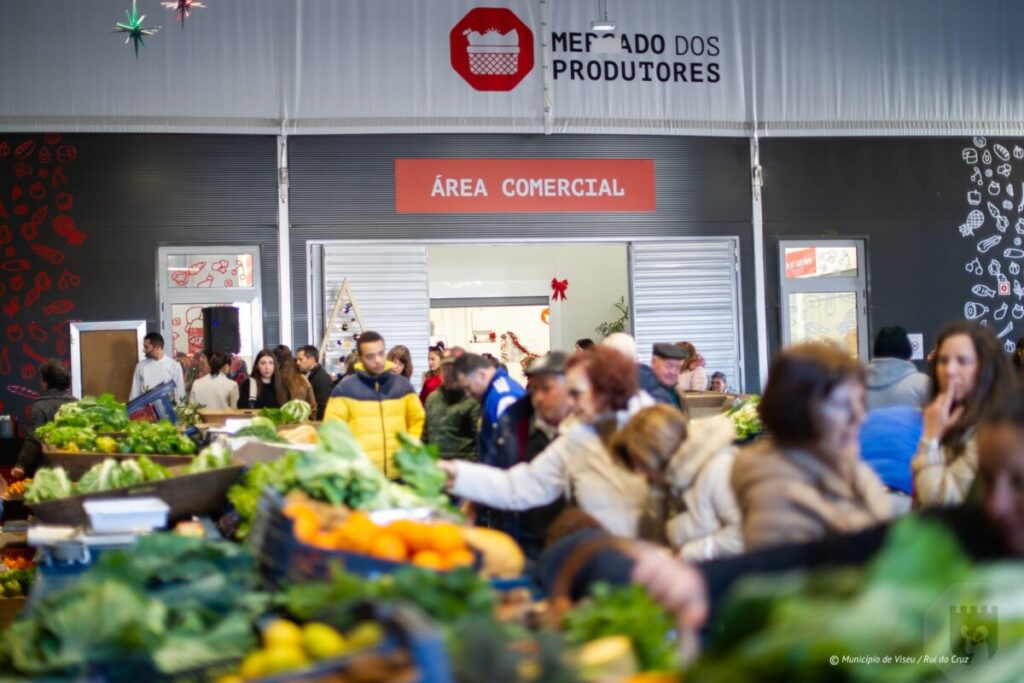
(161, 438)
(103, 414)
(628, 612)
(171, 601)
(786, 627)
(245, 495)
(48, 484)
(263, 422)
(296, 410)
(746, 418)
(418, 463)
(63, 436)
(261, 432)
(213, 457)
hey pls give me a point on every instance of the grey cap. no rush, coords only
(552, 363)
(669, 352)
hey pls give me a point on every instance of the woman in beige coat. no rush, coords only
(807, 481)
(689, 467)
(970, 377)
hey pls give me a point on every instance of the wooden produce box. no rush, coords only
(9, 610)
(77, 464)
(204, 493)
(216, 418)
(706, 403)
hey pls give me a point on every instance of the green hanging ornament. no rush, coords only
(134, 31)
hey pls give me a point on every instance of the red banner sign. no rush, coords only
(523, 185)
(801, 263)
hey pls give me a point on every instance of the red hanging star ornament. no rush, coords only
(183, 9)
(558, 288)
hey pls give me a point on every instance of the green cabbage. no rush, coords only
(48, 484)
(296, 411)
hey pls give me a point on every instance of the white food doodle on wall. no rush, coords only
(994, 193)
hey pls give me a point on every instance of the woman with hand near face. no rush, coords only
(807, 481)
(970, 377)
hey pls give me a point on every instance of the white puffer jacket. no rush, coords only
(699, 473)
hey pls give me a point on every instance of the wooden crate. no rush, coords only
(187, 495)
(9, 610)
(216, 418)
(77, 464)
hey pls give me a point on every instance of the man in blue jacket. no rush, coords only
(495, 391)
(659, 379)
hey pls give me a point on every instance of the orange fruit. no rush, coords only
(297, 508)
(324, 539)
(445, 537)
(460, 558)
(389, 547)
(415, 534)
(306, 528)
(428, 559)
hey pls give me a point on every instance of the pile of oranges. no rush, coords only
(431, 545)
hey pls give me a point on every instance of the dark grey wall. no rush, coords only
(343, 187)
(130, 194)
(906, 196)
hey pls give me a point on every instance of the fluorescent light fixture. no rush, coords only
(602, 25)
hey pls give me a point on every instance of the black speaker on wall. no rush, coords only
(220, 329)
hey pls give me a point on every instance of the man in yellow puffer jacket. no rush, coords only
(377, 404)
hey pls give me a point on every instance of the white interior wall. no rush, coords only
(597, 273)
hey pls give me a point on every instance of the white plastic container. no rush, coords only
(113, 515)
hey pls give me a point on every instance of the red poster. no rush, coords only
(801, 262)
(524, 185)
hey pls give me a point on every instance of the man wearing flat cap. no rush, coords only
(524, 431)
(659, 379)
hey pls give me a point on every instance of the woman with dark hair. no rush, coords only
(807, 481)
(401, 361)
(971, 376)
(55, 381)
(578, 463)
(264, 388)
(295, 384)
(432, 378)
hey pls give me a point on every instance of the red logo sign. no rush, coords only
(492, 49)
(524, 185)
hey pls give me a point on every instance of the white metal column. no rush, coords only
(284, 260)
(757, 221)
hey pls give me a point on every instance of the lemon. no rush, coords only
(281, 658)
(364, 635)
(322, 641)
(231, 678)
(254, 665)
(282, 632)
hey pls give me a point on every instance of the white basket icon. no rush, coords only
(492, 53)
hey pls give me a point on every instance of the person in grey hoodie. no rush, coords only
(892, 380)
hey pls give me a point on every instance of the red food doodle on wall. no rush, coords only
(66, 154)
(64, 226)
(43, 281)
(49, 253)
(180, 278)
(30, 352)
(25, 149)
(32, 257)
(207, 281)
(67, 280)
(58, 178)
(11, 308)
(220, 266)
(229, 283)
(15, 265)
(23, 392)
(29, 230)
(196, 268)
(59, 306)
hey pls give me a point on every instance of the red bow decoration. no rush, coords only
(558, 287)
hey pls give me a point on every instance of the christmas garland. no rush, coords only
(511, 336)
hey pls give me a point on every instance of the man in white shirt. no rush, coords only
(156, 368)
(215, 391)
